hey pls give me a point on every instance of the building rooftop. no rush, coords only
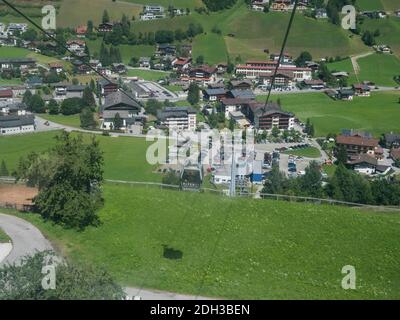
(16, 121)
(357, 140)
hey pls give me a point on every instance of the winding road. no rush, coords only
(27, 240)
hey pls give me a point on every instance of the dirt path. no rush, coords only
(355, 64)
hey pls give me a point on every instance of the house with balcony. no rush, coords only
(177, 118)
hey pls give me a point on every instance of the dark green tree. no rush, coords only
(193, 94)
(88, 98)
(117, 122)
(106, 17)
(87, 119)
(71, 194)
(341, 155)
(53, 107)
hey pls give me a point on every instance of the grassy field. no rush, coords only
(3, 237)
(150, 75)
(344, 65)
(309, 152)
(73, 13)
(13, 81)
(125, 158)
(72, 120)
(377, 114)
(369, 5)
(255, 31)
(389, 31)
(378, 68)
(127, 51)
(212, 47)
(236, 248)
(13, 52)
(175, 3)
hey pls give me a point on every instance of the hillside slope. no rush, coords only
(237, 248)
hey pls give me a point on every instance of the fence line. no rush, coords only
(271, 196)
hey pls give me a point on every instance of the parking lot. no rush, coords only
(156, 91)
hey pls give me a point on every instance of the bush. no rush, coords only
(72, 282)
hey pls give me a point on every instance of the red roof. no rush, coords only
(181, 61)
(6, 93)
(261, 62)
(79, 42)
(81, 30)
(55, 65)
(395, 153)
(357, 141)
(273, 68)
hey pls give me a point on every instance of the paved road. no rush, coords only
(26, 238)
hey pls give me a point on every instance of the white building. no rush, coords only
(178, 118)
(153, 8)
(15, 124)
(254, 72)
(17, 27)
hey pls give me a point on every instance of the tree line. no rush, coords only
(345, 185)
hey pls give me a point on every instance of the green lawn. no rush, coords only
(370, 5)
(14, 81)
(308, 152)
(150, 75)
(212, 47)
(72, 120)
(378, 68)
(73, 13)
(127, 51)
(13, 52)
(378, 114)
(3, 237)
(255, 31)
(237, 248)
(173, 88)
(344, 65)
(329, 169)
(125, 157)
(175, 3)
(389, 31)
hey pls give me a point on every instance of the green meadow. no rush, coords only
(377, 68)
(125, 157)
(253, 32)
(215, 246)
(308, 152)
(377, 114)
(70, 120)
(389, 29)
(149, 75)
